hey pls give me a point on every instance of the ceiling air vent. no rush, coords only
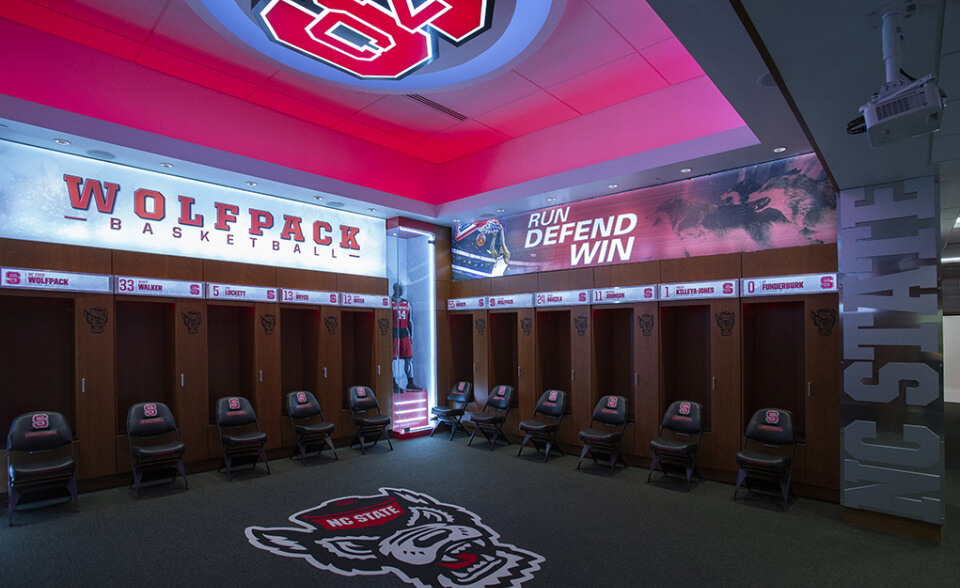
(438, 107)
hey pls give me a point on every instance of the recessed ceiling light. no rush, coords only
(251, 183)
(779, 149)
(456, 220)
(611, 186)
(166, 165)
(957, 223)
(372, 209)
(551, 199)
(61, 142)
(318, 197)
(499, 210)
(685, 170)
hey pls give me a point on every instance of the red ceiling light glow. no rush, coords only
(368, 40)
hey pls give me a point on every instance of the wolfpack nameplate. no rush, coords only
(629, 294)
(410, 535)
(563, 298)
(364, 300)
(699, 290)
(783, 285)
(133, 286)
(476, 303)
(511, 301)
(240, 292)
(309, 297)
(31, 279)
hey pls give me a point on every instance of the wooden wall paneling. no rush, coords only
(581, 379)
(383, 339)
(614, 369)
(266, 342)
(442, 255)
(822, 351)
(54, 256)
(503, 351)
(810, 259)
(299, 358)
(96, 401)
(190, 381)
(515, 284)
(647, 409)
(359, 355)
(627, 274)
(231, 360)
(227, 272)
(165, 267)
(700, 269)
(726, 391)
(572, 279)
(300, 279)
(526, 393)
(471, 288)
(444, 342)
(481, 358)
(362, 284)
(330, 386)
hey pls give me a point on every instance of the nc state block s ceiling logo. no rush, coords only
(372, 39)
(421, 540)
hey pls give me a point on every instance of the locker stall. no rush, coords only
(504, 352)
(700, 331)
(357, 344)
(299, 350)
(513, 344)
(231, 369)
(461, 342)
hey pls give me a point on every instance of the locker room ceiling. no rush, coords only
(608, 93)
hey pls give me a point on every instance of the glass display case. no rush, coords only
(411, 272)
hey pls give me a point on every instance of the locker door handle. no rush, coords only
(261, 375)
(378, 369)
(809, 387)
(713, 384)
(83, 385)
(636, 378)
(474, 368)
(518, 371)
(324, 373)
(573, 375)
(181, 379)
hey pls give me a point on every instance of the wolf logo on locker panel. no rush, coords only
(269, 322)
(330, 322)
(526, 323)
(646, 324)
(726, 320)
(824, 319)
(96, 318)
(384, 325)
(419, 539)
(192, 321)
(481, 326)
(581, 324)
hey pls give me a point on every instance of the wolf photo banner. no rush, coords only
(785, 203)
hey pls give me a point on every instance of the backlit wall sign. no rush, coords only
(786, 203)
(364, 300)
(630, 294)
(59, 198)
(563, 298)
(241, 292)
(782, 285)
(698, 290)
(511, 301)
(478, 303)
(309, 297)
(31, 279)
(133, 286)
(385, 39)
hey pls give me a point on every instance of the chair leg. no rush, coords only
(525, 439)
(303, 453)
(472, 435)
(614, 455)
(263, 457)
(493, 441)
(229, 461)
(14, 498)
(653, 465)
(546, 454)
(386, 435)
(332, 448)
(435, 427)
(583, 454)
(453, 429)
(689, 469)
(741, 476)
(785, 491)
(137, 478)
(361, 436)
(72, 488)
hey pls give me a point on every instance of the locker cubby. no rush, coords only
(357, 344)
(504, 353)
(685, 348)
(36, 357)
(553, 348)
(613, 356)
(146, 352)
(230, 355)
(461, 340)
(774, 368)
(299, 349)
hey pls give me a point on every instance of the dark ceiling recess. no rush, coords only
(438, 107)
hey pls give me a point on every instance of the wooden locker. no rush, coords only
(266, 344)
(331, 382)
(191, 376)
(96, 401)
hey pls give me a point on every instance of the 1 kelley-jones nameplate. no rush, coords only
(133, 286)
(309, 297)
(30, 279)
(698, 290)
(782, 285)
(478, 303)
(629, 294)
(238, 292)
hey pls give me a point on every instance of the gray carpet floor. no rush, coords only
(590, 529)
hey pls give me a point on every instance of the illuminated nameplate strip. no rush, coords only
(699, 290)
(364, 300)
(781, 285)
(133, 286)
(30, 279)
(511, 301)
(564, 298)
(240, 292)
(478, 303)
(309, 297)
(631, 294)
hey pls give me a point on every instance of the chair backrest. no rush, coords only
(611, 410)
(772, 426)
(235, 411)
(500, 398)
(39, 431)
(461, 393)
(362, 398)
(683, 416)
(551, 403)
(303, 405)
(148, 419)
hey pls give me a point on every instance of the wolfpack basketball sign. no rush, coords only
(372, 39)
(59, 198)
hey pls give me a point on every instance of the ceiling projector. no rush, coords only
(904, 107)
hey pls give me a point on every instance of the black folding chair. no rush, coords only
(457, 400)
(550, 405)
(149, 420)
(683, 420)
(771, 428)
(39, 434)
(491, 423)
(362, 401)
(611, 413)
(302, 407)
(243, 437)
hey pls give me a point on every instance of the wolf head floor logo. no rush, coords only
(526, 323)
(269, 322)
(646, 324)
(330, 322)
(96, 318)
(581, 324)
(192, 321)
(824, 318)
(421, 540)
(726, 320)
(384, 325)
